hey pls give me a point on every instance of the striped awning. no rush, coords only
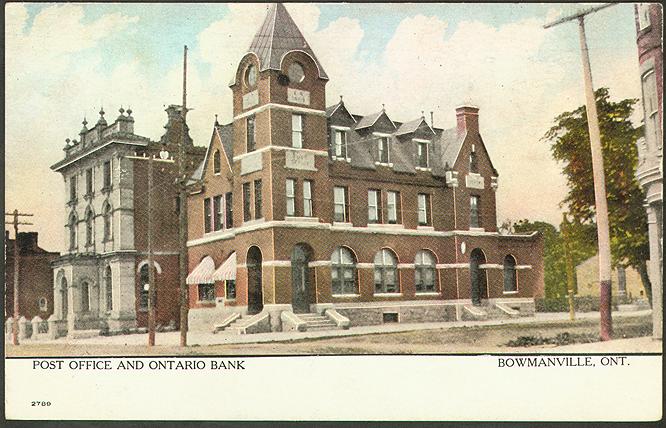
(203, 273)
(226, 272)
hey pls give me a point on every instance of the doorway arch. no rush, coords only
(301, 278)
(479, 280)
(255, 296)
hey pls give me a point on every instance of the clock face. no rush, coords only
(251, 75)
(296, 73)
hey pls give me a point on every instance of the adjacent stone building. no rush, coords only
(308, 215)
(99, 280)
(649, 22)
(626, 282)
(35, 283)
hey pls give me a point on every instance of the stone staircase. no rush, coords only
(238, 325)
(315, 322)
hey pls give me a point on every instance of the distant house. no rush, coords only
(626, 282)
(35, 283)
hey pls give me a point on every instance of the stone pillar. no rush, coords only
(35, 326)
(654, 269)
(72, 305)
(54, 326)
(24, 328)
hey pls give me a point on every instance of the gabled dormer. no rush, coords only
(340, 124)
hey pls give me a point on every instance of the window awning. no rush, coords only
(203, 273)
(226, 272)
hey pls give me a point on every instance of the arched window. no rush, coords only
(343, 272)
(108, 284)
(72, 231)
(424, 271)
(217, 167)
(43, 304)
(85, 297)
(108, 232)
(386, 272)
(510, 283)
(89, 227)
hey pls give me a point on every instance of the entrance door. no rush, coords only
(300, 279)
(255, 297)
(478, 276)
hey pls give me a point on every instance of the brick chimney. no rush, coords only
(467, 118)
(27, 241)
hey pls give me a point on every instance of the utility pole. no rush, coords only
(182, 213)
(601, 207)
(564, 230)
(152, 287)
(16, 214)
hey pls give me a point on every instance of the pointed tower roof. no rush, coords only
(277, 36)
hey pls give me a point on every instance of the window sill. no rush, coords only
(388, 294)
(299, 218)
(477, 229)
(386, 225)
(510, 292)
(423, 168)
(427, 293)
(343, 224)
(346, 295)
(428, 228)
(341, 159)
(388, 164)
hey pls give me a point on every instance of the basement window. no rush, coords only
(389, 317)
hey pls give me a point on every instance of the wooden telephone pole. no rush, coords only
(600, 203)
(182, 214)
(16, 214)
(152, 286)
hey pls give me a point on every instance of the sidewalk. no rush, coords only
(207, 338)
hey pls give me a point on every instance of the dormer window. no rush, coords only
(422, 155)
(340, 144)
(383, 149)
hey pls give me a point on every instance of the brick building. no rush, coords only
(99, 280)
(649, 22)
(35, 289)
(305, 209)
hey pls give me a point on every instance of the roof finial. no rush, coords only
(342, 102)
(101, 111)
(216, 122)
(129, 111)
(422, 115)
(85, 122)
(383, 107)
(121, 110)
(432, 119)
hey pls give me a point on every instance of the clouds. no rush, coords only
(58, 68)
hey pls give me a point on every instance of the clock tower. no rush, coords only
(279, 126)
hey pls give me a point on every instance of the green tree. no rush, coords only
(582, 247)
(570, 144)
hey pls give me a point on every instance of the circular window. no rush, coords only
(251, 75)
(296, 73)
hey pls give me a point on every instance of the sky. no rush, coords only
(64, 61)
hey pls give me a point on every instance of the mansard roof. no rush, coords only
(277, 36)
(362, 150)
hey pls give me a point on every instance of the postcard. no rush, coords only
(335, 211)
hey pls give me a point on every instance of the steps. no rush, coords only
(237, 326)
(316, 322)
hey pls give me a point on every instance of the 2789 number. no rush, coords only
(41, 403)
